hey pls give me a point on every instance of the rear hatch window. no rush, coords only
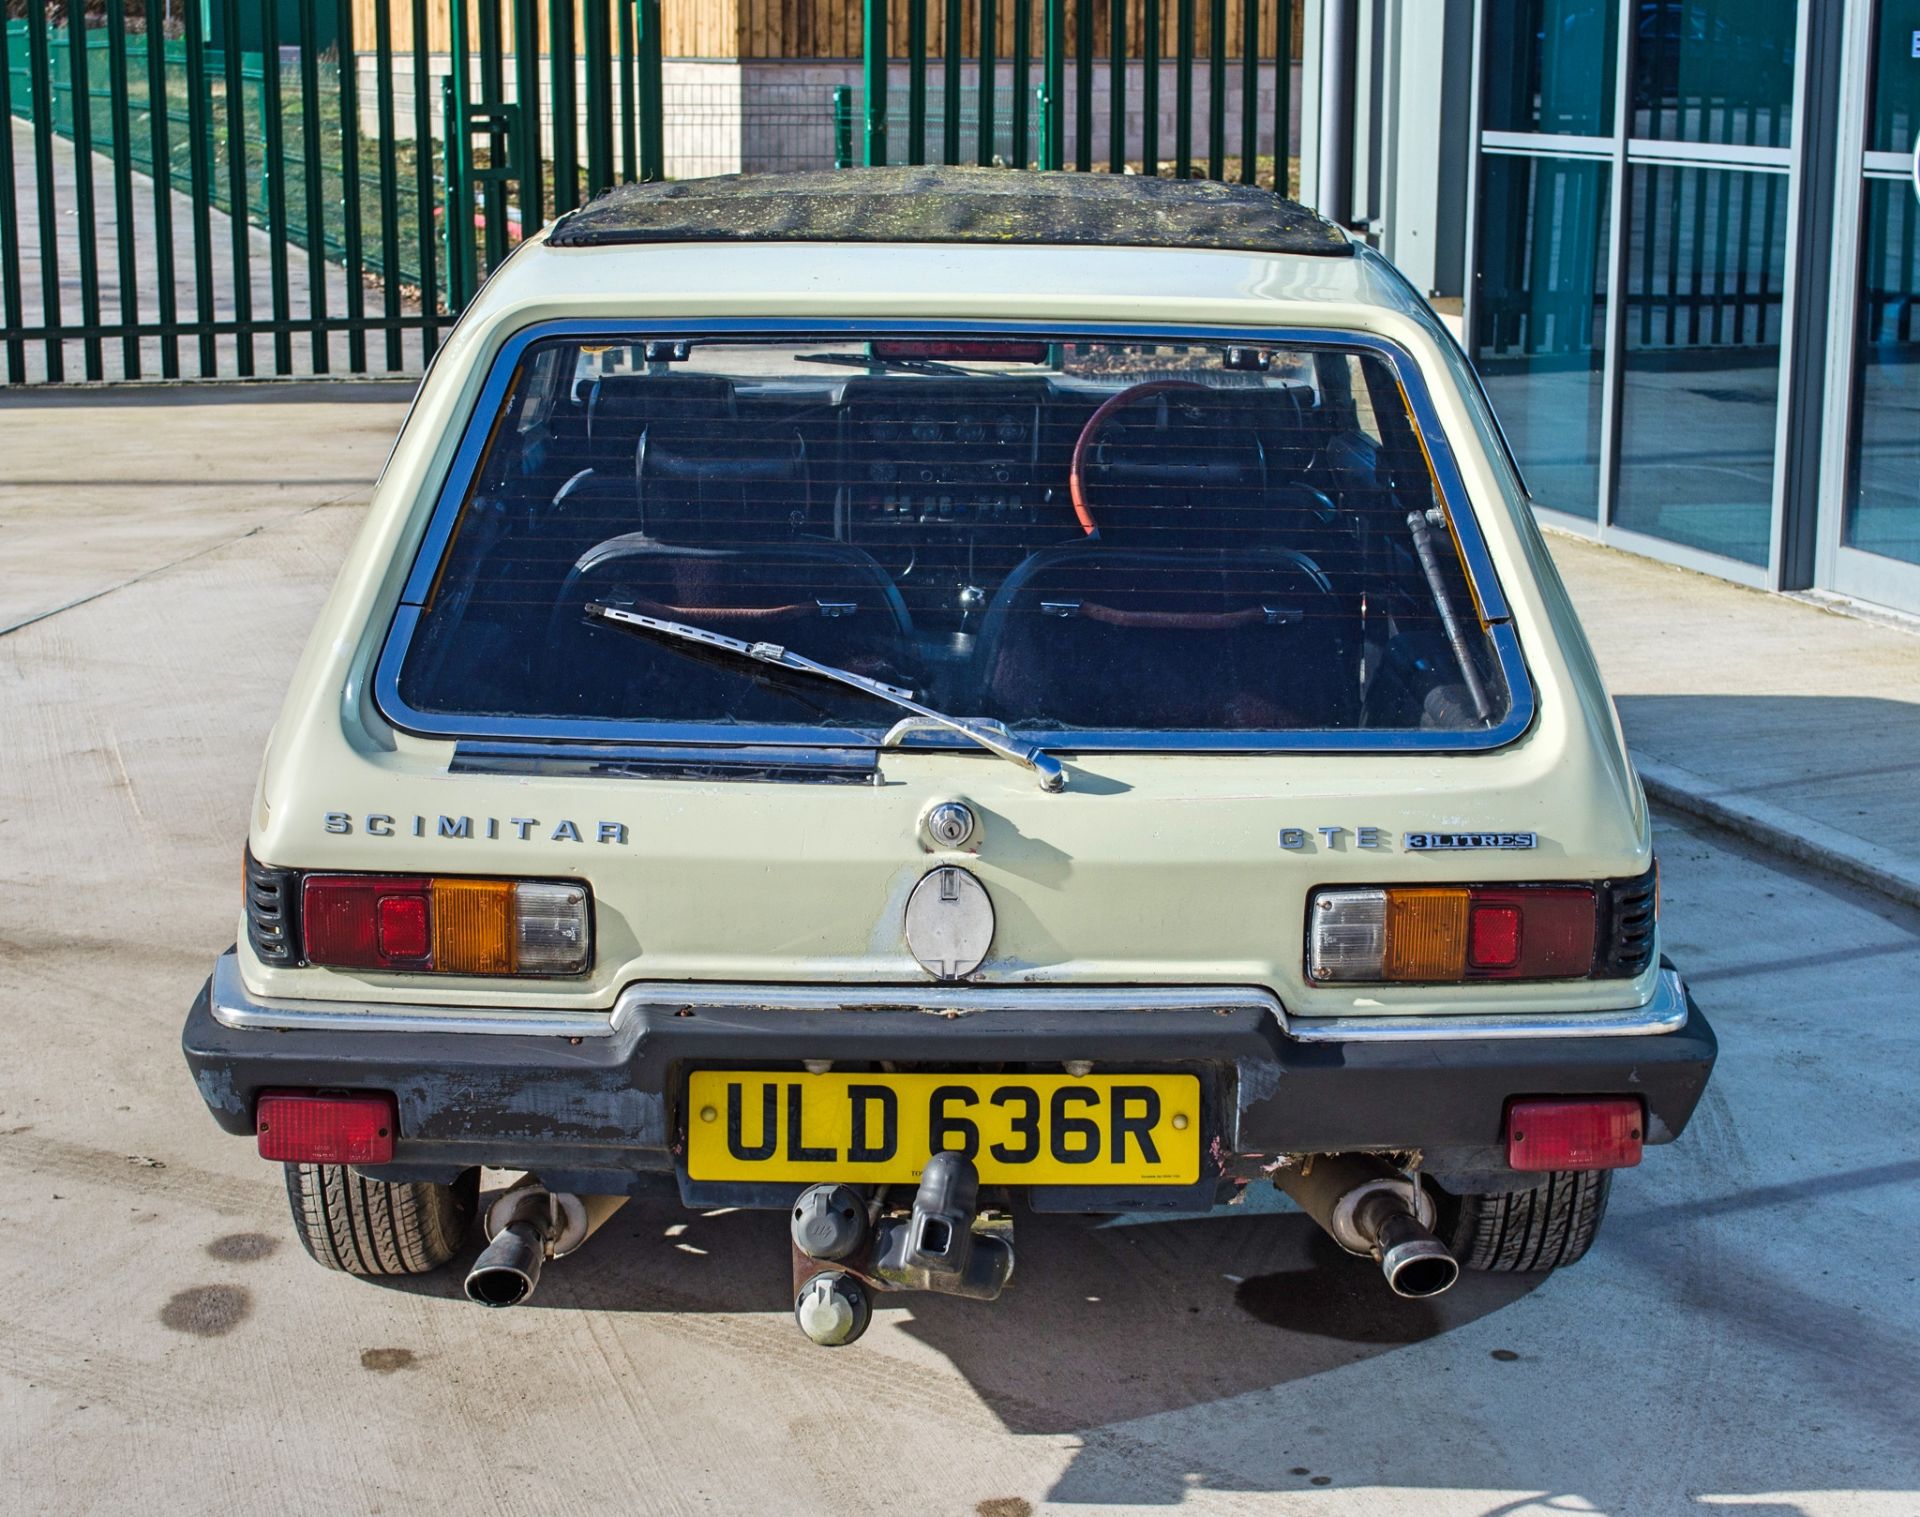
(1113, 542)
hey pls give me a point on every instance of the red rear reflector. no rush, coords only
(299, 1127)
(400, 930)
(963, 350)
(1574, 1134)
(1493, 937)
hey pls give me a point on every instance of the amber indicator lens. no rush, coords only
(1447, 934)
(420, 924)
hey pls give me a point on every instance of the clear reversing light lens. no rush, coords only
(1349, 936)
(552, 921)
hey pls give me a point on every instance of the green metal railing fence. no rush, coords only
(242, 187)
(1036, 127)
(276, 210)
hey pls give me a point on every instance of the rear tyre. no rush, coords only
(379, 1227)
(1527, 1231)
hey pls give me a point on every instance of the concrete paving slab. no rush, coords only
(1745, 1337)
(98, 487)
(1788, 721)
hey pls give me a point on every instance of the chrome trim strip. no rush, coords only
(233, 1006)
(466, 462)
(1666, 1012)
(937, 1000)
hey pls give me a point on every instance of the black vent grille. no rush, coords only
(1629, 912)
(273, 912)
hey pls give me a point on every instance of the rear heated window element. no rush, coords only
(1091, 537)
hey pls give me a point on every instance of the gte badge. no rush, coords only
(1441, 842)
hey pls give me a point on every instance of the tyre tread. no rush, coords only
(1530, 1231)
(378, 1227)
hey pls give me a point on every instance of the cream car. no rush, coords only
(902, 696)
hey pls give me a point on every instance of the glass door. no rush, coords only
(1874, 528)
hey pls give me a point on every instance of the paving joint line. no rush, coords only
(185, 558)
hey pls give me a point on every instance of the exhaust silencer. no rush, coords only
(1372, 1209)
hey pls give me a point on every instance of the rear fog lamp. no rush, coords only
(420, 924)
(1575, 1134)
(301, 1127)
(1444, 934)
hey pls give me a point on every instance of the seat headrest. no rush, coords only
(621, 406)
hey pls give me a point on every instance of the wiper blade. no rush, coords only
(1051, 772)
(902, 365)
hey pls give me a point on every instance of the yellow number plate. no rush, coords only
(881, 1128)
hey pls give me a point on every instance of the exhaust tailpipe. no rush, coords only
(530, 1224)
(509, 1267)
(1372, 1209)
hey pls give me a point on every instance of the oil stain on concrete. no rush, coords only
(207, 1311)
(242, 1248)
(386, 1361)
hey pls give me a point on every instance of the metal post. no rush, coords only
(347, 78)
(1335, 170)
(875, 79)
(566, 105)
(989, 67)
(425, 243)
(598, 47)
(916, 81)
(1116, 86)
(843, 126)
(629, 99)
(83, 206)
(530, 189)
(950, 86)
(237, 214)
(1083, 87)
(493, 190)
(1217, 90)
(1250, 90)
(1283, 96)
(1183, 93)
(122, 118)
(315, 169)
(200, 181)
(653, 109)
(274, 172)
(457, 90)
(40, 66)
(1150, 88)
(161, 157)
(389, 189)
(1022, 124)
(1053, 113)
(14, 303)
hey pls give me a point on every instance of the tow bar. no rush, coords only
(840, 1257)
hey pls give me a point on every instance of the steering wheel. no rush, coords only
(1083, 445)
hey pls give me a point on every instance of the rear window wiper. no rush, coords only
(900, 365)
(1051, 772)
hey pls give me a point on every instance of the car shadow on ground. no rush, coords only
(1161, 1315)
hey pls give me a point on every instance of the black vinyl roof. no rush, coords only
(972, 205)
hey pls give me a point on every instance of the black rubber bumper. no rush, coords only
(609, 1106)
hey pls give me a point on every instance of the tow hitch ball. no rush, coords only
(839, 1258)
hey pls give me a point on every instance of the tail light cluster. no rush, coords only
(419, 924)
(1450, 934)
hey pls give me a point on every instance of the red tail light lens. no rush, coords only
(300, 1127)
(1603, 1133)
(367, 921)
(1536, 933)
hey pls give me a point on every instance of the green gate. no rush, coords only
(236, 188)
(1186, 58)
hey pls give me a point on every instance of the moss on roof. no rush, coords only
(974, 205)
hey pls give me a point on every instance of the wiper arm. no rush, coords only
(1052, 773)
(900, 365)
